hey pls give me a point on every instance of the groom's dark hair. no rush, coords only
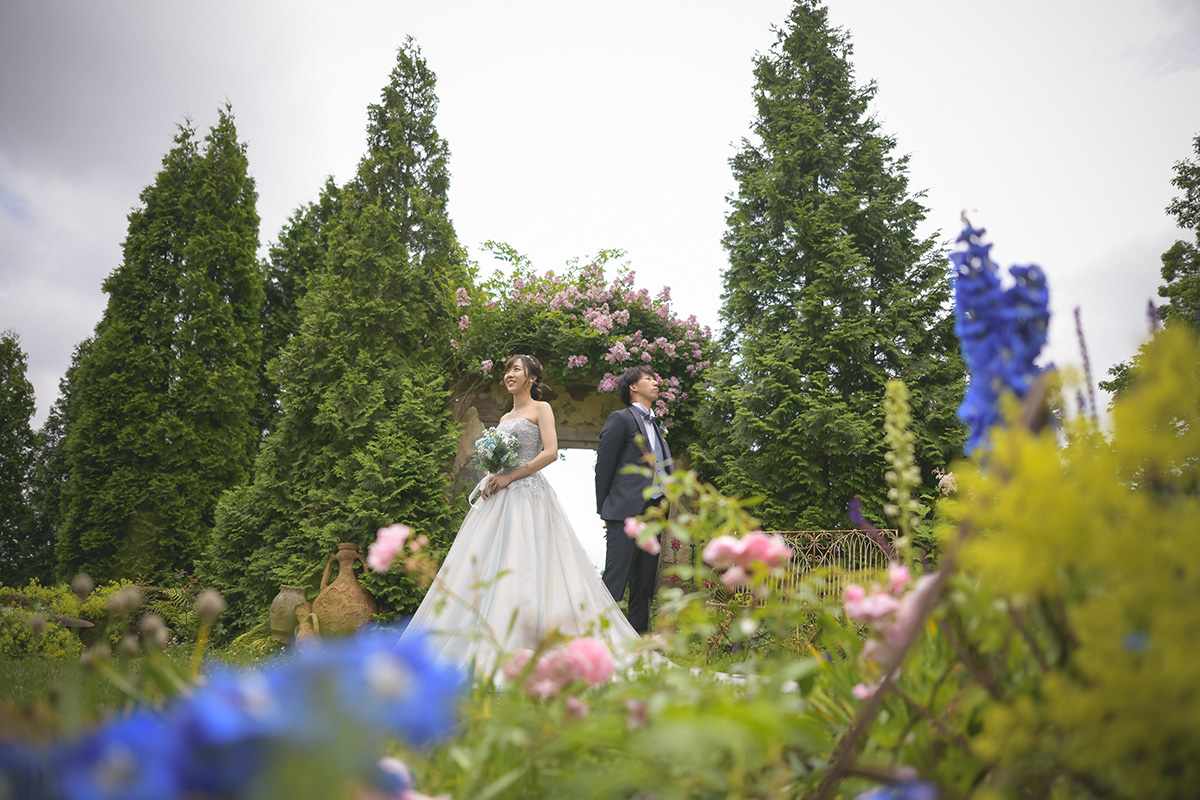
(628, 378)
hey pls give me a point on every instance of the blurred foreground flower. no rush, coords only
(745, 561)
(388, 542)
(583, 661)
(1002, 331)
(329, 707)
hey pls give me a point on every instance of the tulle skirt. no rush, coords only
(516, 573)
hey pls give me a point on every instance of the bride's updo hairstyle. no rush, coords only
(533, 368)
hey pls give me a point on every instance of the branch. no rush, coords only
(940, 724)
(848, 745)
(1027, 635)
(972, 664)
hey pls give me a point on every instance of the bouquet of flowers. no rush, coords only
(495, 450)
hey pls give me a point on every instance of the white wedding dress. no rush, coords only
(515, 573)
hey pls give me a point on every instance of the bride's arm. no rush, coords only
(548, 455)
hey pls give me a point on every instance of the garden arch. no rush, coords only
(579, 413)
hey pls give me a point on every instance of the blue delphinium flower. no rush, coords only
(342, 696)
(25, 771)
(908, 790)
(132, 758)
(1002, 331)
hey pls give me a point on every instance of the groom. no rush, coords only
(620, 494)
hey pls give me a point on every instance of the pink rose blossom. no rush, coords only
(576, 708)
(633, 527)
(898, 578)
(516, 664)
(388, 542)
(587, 660)
(854, 592)
(865, 691)
(721, 552)
(771, 550)
(651, 546)
(875, 607)
(487, 365)
(598, 661)
(735, 576)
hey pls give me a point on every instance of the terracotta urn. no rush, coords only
(344, 605)
(283, 612)
(307, 627)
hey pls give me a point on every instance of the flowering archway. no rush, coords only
(585, 330)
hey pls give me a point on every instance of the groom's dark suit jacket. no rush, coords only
(618, 494)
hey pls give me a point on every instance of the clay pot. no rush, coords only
(344, 605)
(283, 612)
(307, 627)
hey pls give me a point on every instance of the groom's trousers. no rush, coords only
(627, 564)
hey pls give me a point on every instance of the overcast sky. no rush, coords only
(575, 126)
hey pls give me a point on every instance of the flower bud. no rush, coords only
(154, 630)
(82, 585)
(95, 654)
(125, 601)
(128, 646)
(210, 605)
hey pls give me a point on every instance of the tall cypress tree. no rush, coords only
(365, 438)
(299, 253)
(16, 460)
(162, 417)
(50, 471)
(828, 295)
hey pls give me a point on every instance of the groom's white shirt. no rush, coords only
(655, 446)
(651, 434)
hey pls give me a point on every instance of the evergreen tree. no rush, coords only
(1180, 268)
(163, 407)
(16, 458)
(365, 438)
(49, 473)
(299, 253)
(829, 294)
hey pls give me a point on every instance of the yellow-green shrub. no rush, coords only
(19, 606)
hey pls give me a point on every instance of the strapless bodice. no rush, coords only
(527, 433)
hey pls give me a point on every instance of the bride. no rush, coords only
(516, 571)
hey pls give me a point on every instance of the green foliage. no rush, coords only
(51, 469)
(20, 547)
(1094, 547)
(162, 416)
(365, 438)
(28, 625)
(1051, 657)
(829, 295)
(95, 606)
(299, 253)
(1180, 269)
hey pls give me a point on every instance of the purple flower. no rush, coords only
(1002, 331)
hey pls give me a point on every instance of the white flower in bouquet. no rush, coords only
(495, 450)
